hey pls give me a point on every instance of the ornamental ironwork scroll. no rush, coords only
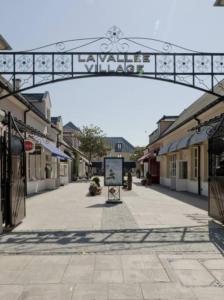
(117, 56)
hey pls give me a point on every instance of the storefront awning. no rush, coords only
(164, 149)
(199, 137)
(192, 138)
(48, 145)
(85, 160)
(146, 156)
(184, 141)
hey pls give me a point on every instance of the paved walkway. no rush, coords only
(158, 244)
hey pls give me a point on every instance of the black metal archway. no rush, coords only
(162, 61)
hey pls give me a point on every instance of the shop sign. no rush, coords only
(117, 63)
(29, 146)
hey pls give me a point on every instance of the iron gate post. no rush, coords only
(8, 202)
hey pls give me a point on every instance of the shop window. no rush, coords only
(183, 169)
(63, 170)
(34, 167)
(54, 167)
(219, 164)
(172, 166)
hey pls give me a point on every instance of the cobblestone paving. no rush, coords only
(158, 244)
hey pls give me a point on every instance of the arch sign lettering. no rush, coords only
(117, 55)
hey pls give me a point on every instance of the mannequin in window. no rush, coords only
(220, 170)
(48, 170)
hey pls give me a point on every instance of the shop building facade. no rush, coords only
(81, 164)
(43, 164)
(181, 151)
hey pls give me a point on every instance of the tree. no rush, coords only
(92, 142)
(138, 152)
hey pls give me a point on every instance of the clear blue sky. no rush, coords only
(120, 106)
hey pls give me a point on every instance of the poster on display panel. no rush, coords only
(113, 171)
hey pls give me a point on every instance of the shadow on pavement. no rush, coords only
(188, 198)
(100, 205)
(74, 241)
(216, 235)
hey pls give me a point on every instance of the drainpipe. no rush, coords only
(25, 119)
(58, 162)
(199, 159)
(199, 170)
(25, 154)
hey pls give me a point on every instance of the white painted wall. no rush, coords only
(38, 186)
(165, 181)
(11, 104)
(186, 185)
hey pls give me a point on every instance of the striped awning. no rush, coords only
(146, 156)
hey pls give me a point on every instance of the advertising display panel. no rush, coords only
(113, 171)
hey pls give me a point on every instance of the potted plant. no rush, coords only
(94, 188)
(143, 181)
(129, 181)
(148, 178)
(96, 179)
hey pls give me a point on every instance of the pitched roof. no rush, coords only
(71, 127)
(204, 101)
(34, 96)
(126, 146)
(8, 87)
(202, 104)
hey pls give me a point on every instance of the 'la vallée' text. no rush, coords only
(131, 63)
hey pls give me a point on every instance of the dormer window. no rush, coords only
(118, 147)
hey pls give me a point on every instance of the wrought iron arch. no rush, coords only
(148, 58)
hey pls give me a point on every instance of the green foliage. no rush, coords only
(148, 178)
(148, 175)
(96, 180)
(143, 181)
(138, 152)
(138, 173)
(93, 188)
(92, 141)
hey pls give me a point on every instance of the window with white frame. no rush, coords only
(172, 165)
(63, 169)
(35, 166)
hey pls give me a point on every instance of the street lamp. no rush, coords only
(4, 44)
(219, 3)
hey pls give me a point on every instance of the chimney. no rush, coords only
(17, 84)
